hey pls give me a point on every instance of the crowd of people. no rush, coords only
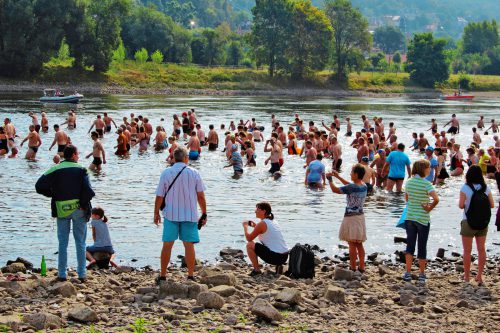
(380, 164)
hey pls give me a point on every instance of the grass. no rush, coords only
(132, 75)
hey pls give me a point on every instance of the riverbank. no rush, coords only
(173, 79)
(226, 299)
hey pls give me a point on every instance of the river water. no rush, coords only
(126, 187)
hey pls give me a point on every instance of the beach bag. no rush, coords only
(402, 219)
(301, 262)
(479, 212)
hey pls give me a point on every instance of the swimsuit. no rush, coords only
(193, 155)
(212, 146)
(100, 132)
(453, 130)
(108, 128)
(144, 143)
(35, 149)
(178, 131)
(3, 145)
(37, 128)
(60, 148)
(97, 161)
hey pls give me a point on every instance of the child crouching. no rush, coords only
(102, 239)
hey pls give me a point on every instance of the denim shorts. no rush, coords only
(185, 231)
(107, 249)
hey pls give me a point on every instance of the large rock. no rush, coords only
(65, 289)
(27, 264)
(16, 267)
(335, 294)
(263, 309)
(194, 289)
(236, 253)
(290, 296)
(174, 289)
(210, 300)
(83, 313)
(223, 290)
(343, 274)
(219, 279)
(406, 297)
(41, 321)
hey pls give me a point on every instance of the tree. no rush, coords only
(389, 39)
(270, 32)
(148, 28)
(180, 52)
(476, 62)
(376, 58)
(157, 57)
(119, 54)
(308, 45)
(479, 37)
(141, 56)
(25, 41)
(426, 60)
(234, 54)
(397, 58)
(350, 36)
(494, 67)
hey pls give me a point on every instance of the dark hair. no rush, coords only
(475, 176)
(100, 212)
(319, 157)
(69, 151)
(267, 207)
(248, 144)
(211, 127)
(401, 146)
(359, 169)
(94, 133)
(56, 126)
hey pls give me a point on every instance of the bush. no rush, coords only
(119, 53)
(464, 81)
(220, 77)
(247, 63)
(141, 56)
(157, 57)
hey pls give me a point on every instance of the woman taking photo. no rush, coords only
(272, 247)
(417, 223)
(474, 182)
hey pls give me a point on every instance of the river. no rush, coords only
(126, 187)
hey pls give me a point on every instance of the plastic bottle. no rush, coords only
(43, 267)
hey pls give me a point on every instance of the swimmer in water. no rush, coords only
(45, 123)
(99, 126)
(108, 120)
(97, 152)
(34, 142)
(194, 146)
(61, 138)
(71, 120)
(213, 139)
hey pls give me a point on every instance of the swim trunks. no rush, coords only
(97, 161)
(193, 155)
(108, 128)
(212, 146)
(100, 132)
(35, 149)
(453, 130)
(178, 131)
(37, 128)
(60, 148)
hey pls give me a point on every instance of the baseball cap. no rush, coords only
(430, 148)
(364, 158)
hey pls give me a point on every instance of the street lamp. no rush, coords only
(192, 24)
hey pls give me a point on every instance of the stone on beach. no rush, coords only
(228, 279)
(223, 290)
(263, 309)
(335, 294)
(65, 289)
(83, 313)
(210, 300)
(289, 296)
(41, 321)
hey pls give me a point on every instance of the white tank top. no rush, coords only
(273, 238)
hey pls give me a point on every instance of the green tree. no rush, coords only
(31, 32)
(476, 62)
(308, 45)
(350, 36)
(376, 58)
(270, 32)
(141, 56)
(180, 52)
(426, 60)
(494, 67)
(234, 54)
(119, 54)
(479, 37)
(389, 39)
(146, 27)
(157, 57)
(397, 58)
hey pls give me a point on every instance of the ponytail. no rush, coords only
(267, 208)
(104, 219)
(100, 212)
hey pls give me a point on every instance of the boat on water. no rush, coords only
(56, 96)
(457, 96)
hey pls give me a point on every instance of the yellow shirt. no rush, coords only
(482, 162)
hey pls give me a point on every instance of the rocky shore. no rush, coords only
(225, 299)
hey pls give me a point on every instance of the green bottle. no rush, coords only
(43, 267)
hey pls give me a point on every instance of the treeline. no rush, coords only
(292, 38)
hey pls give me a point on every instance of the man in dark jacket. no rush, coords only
(68, 185)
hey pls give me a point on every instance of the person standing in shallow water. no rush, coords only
(353, 227)
(68, 186)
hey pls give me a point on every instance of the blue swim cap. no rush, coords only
(430, 148)
(234, 147)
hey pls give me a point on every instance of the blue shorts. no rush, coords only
(185, 231)
(193, 155)
(93, 249)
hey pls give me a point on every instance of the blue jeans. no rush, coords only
(417, 231)
(80, 235)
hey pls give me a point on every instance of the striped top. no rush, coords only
(181, 202)
(418, 190)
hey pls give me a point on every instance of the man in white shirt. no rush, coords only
(182, 189)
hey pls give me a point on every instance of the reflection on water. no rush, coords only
(126, 186)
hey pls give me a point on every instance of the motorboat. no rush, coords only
(56, 96)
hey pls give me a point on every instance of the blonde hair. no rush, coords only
(419, 167)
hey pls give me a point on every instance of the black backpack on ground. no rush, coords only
(301, 262)
(479, 212)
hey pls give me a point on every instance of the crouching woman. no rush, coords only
(272, 247)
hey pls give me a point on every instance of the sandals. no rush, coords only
(407, 277)
(255, 273)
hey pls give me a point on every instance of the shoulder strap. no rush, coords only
(170, 186)
(472, 188)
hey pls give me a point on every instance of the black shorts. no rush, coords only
(108, 128)
(37, 128)
(97, 161)
(395, 179)
(348, 133)
(100, 132)
(35, 149)
(60, 148)
(338, 164)
(178, 131)
(453, 130)
(212, 146)
(128, 146)
(269, 256)
(185, 129)
(274, 167)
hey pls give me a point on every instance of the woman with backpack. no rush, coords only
(476, 200)
(272, 247)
